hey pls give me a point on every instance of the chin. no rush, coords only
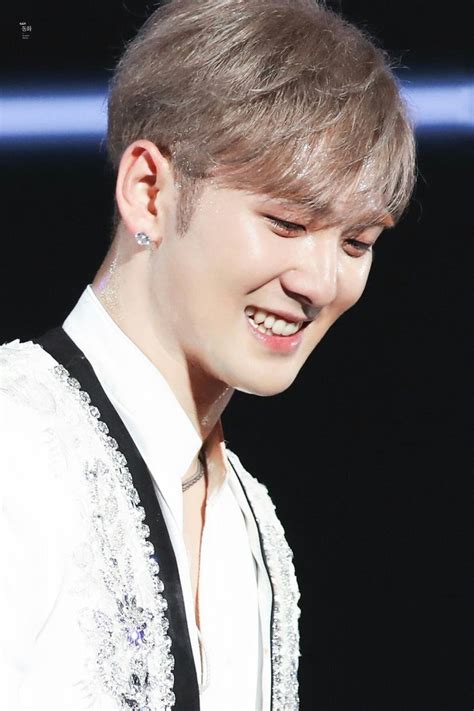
(265, 387)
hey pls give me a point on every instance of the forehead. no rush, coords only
(323, 196)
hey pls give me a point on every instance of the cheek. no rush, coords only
(235, 257)
(352, 281)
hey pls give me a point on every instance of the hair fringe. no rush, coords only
(278, 97)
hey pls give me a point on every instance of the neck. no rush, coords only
(117, 286)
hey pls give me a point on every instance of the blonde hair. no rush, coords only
(278, 97)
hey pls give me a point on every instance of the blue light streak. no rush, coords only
(39, 117)
(444, 105)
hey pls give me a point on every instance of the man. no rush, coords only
(260, 148)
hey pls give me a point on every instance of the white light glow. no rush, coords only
(40, 116)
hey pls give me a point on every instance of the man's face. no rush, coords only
(235, 261)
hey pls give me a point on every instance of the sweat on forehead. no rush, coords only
(322, 183)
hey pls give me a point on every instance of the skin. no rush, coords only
(182, 300)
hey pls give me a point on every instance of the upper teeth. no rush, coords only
(269, 323)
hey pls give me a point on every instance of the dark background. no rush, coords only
(367, 456)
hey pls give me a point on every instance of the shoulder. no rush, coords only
(32, 406)
(36, 437)
(25, 398)
(37, 511)
(33, 399)
(26, 379)
(40, 433)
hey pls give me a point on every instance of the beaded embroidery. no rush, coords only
(133, 661)
(279, 558)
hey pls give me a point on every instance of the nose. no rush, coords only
(313, 274)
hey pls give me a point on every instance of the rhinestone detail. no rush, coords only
(142, 238)
(286, 612)
(134, 663)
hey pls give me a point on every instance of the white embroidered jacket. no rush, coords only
(86, 619)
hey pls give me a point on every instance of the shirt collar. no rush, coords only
(158, 424)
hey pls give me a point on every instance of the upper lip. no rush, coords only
(286, 315)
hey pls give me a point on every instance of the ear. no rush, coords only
(144, 182)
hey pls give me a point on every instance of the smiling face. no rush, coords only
(245, 269)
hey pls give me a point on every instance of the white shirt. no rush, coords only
(234, 590)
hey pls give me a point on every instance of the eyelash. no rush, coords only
(361, 247)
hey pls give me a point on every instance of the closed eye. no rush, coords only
(360, 247)
(287, 227)
(353, 247)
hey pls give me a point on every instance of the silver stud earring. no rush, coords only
(142, 238)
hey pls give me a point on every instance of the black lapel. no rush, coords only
(63, 349)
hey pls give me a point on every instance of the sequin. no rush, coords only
(133, 659)
(140, 689)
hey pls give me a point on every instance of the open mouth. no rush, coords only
(272, 324)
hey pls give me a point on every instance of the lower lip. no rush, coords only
(280, 344)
